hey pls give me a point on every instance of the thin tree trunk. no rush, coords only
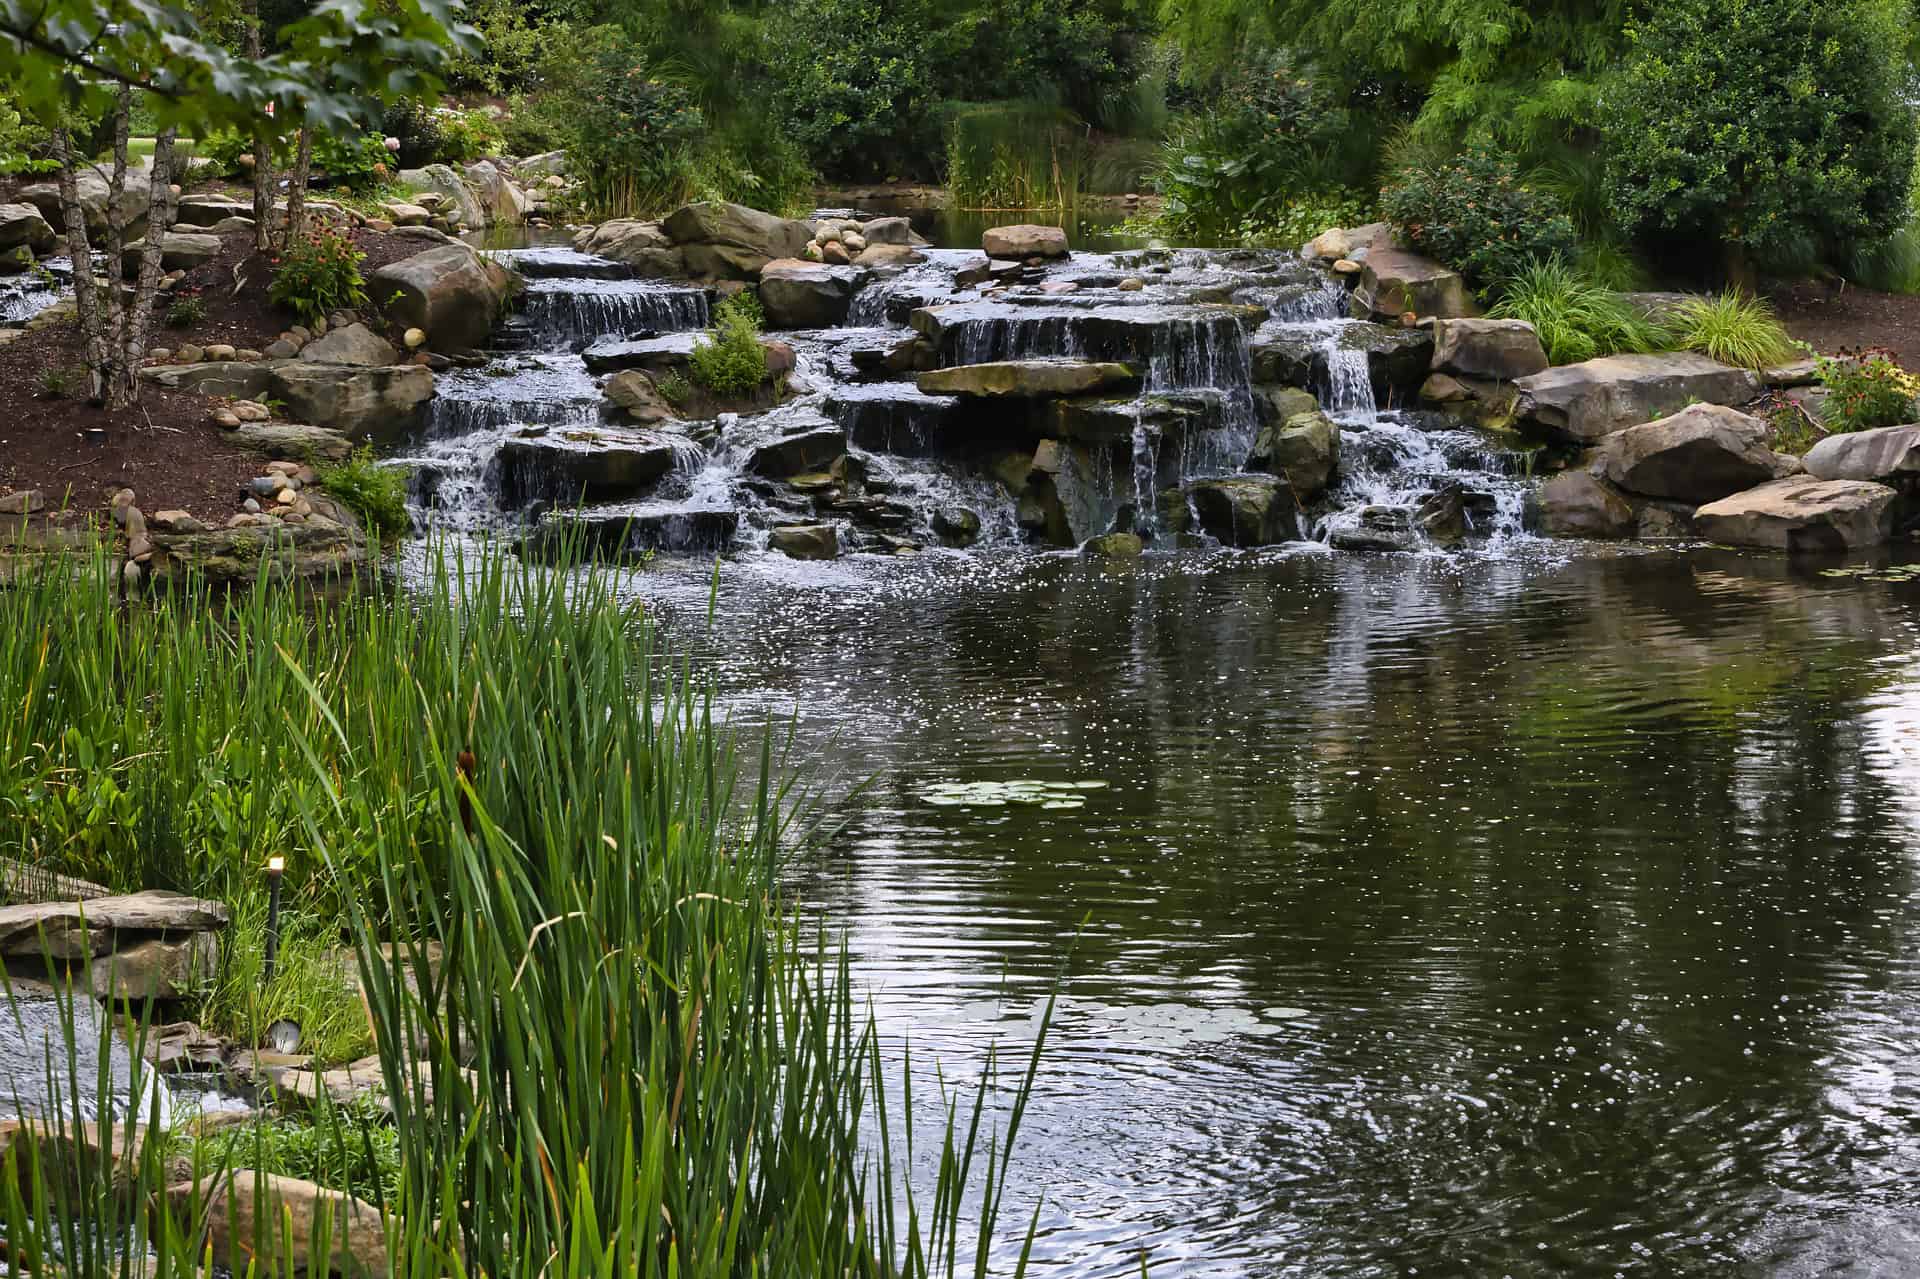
(86, 302)
(125, 391)
(108, 375)
(262, 147)
(297, 188)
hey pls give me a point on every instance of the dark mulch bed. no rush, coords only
(1829, 315)
(167, 448)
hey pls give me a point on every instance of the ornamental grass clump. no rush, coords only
(1733, 328)
(1576, 319)
(608, 1046)
(319, 273)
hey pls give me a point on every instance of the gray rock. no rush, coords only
(1890, 455)
(635, 394)
(640, 245)
(546, 164)
(1584, 403)
(1575, 504)
(356, 344)
(267, 1222)
(69, 930)
(452, 293)
(1029, 379)
(234, 380)
(1277, 404)
(1305, 449)
(93, 190)
(566, 467)
(1024, 241)
(211, 210)
(22, 502)
(812, 444)
(504, 203)
(1394, 282)
(1114, 546)
(290, 442)
(956, 526)
(1381, 528)
(1802, 515)
(1245, 510)
(731, 241)
(22, 225)
(179, 251)
(1498, 349)
(353, 399)
(444, 182)
(1700, 454)
(806, 541)
(797, 294)
(887, 231)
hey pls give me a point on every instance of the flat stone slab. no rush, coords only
(1029, 379)
(81, 929)
(1584, 403)
(1802, 514)
(569, 465)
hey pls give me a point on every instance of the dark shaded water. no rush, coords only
(1540, 916)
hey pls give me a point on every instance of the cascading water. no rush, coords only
(567, 312)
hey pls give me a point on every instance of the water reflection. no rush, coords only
(1535, 916)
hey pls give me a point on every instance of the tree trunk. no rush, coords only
(297, 187)
(125, 390)
(262, 148)
(1738, 267)
(108, 374)
(86, 302)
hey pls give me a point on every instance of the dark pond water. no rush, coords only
(1547, 915)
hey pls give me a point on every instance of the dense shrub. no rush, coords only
(319, 273)
(1576, 318)
(22, 144)
(469, 135)
(1776, 129)
(635, 132)
(419, 129)
(1272, 136)
(222, 149)
(730, 361)
(352, 159)
(860, 87)
(1475, 214)
(1867, 389)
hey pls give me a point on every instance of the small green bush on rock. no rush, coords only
(729, 361)
(1475, 214)
(378, 493)
(1734, 328)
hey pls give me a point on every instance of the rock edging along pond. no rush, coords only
(1027, 394)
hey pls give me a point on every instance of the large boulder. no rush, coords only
(636, 395)
(1575, 504)
(797, 294)
(1245, 510)
(1701, 454)
(179, 251)
(227, 379)
(451, 293)
(546, 164)
(210, 210)
(1348, 243)
(1394, 282)
(349, 398)
(731, 241)
(354, 344)
(293, 441)
(504, 203)
(463, 204)
(93, 190)
(1305, 449)
(1802, 514)
(1398, 360)
(69, 930)
(1498, 349)
(640, 245)
(570, 466)
(795, 444)
(245, 1214)
(1029, 379)
(1584, 403)
(1024, 241)
(1890, 455)
(22, 224)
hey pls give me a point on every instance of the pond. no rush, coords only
(1541, 913)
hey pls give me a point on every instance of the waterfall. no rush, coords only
(565, 312)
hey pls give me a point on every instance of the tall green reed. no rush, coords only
(607, 1044)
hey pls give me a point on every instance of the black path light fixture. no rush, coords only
(276, 867)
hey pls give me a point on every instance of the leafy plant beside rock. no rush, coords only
(1866, 389)
(319, 273)
(1734, 328)
(729, 361)
(1576, 319)
(377, 493)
